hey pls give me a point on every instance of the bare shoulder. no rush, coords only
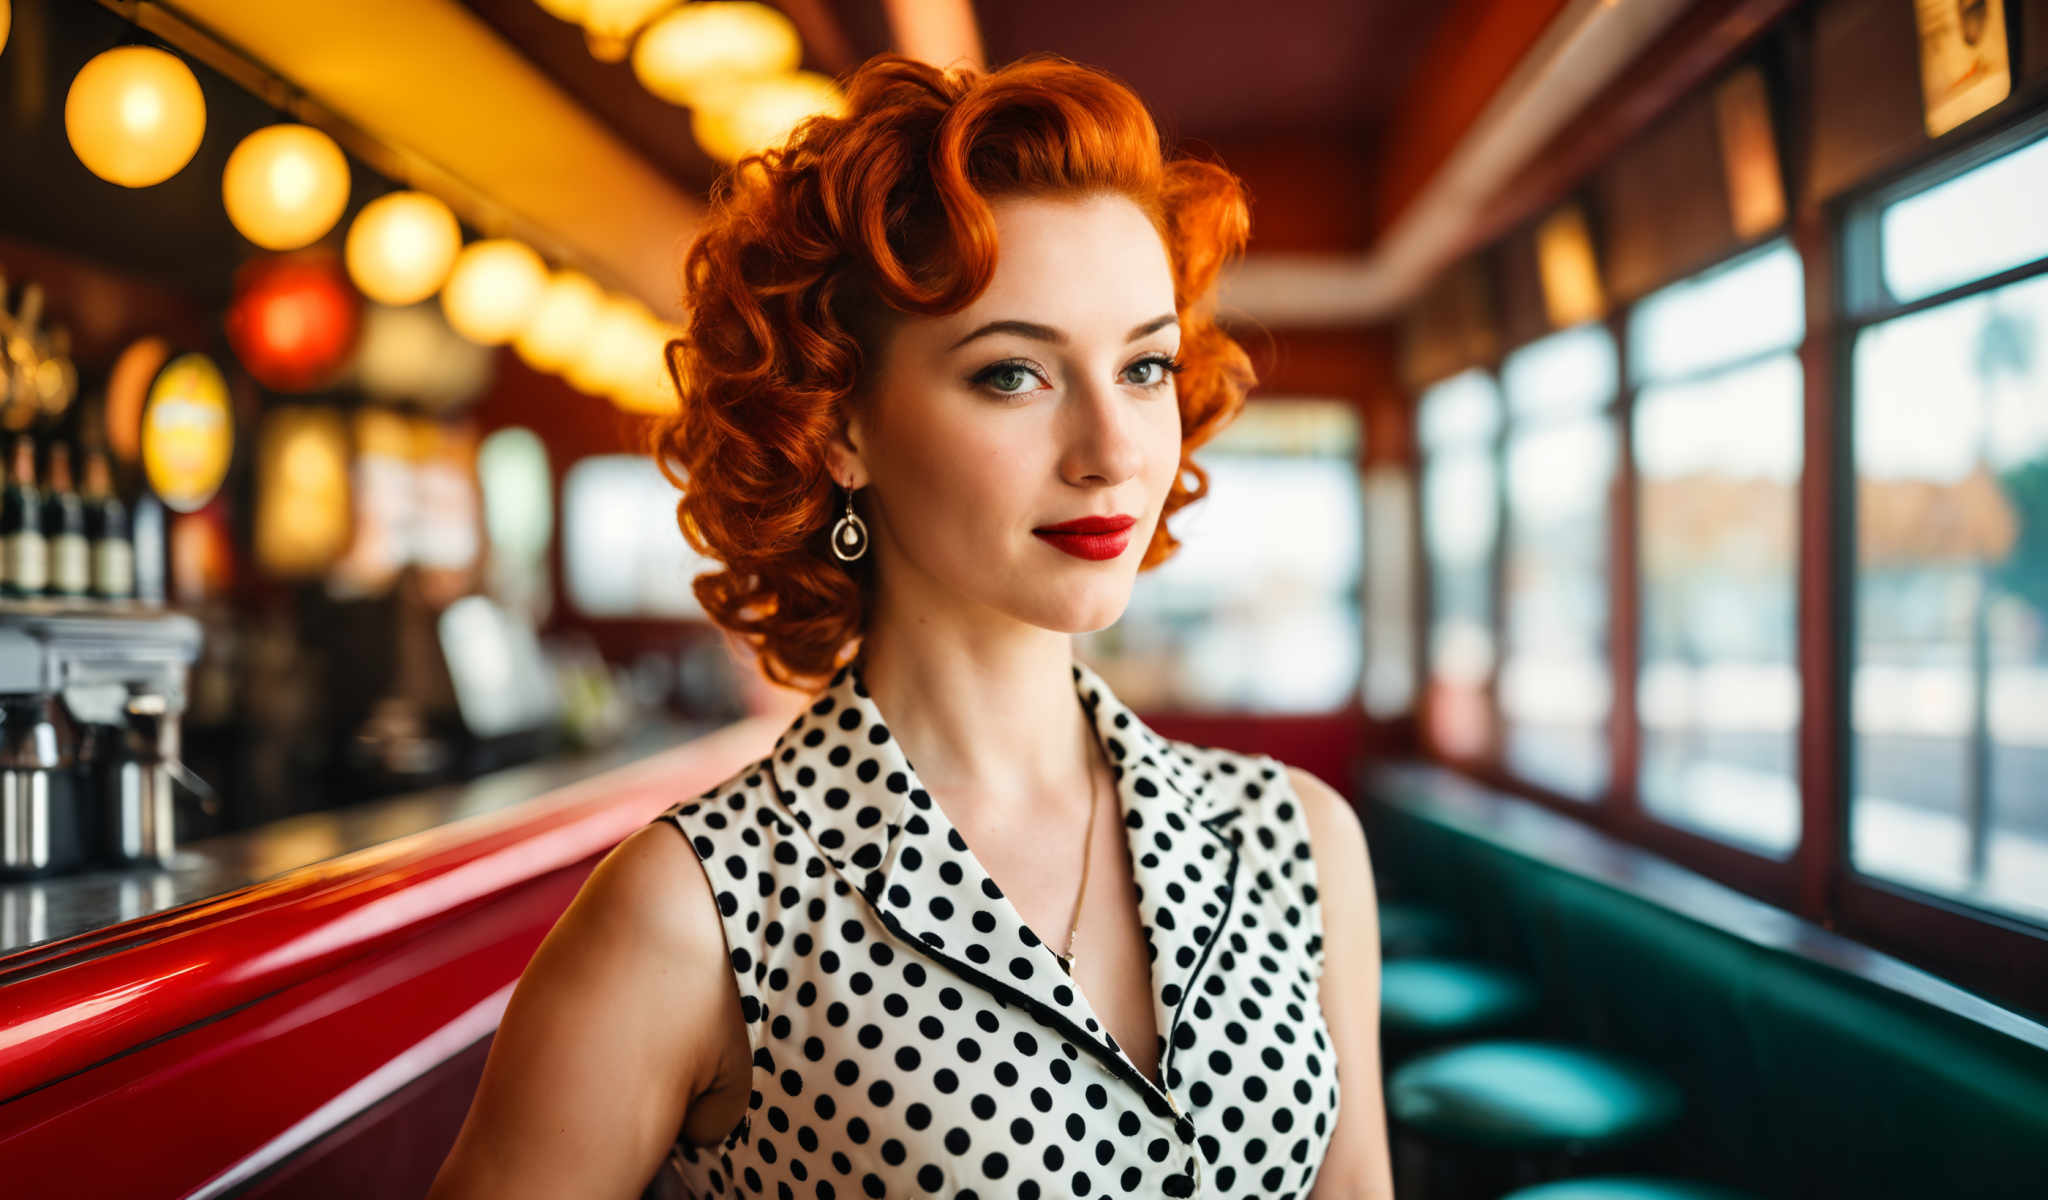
(1358, 1163)
(1335, 834)
(615, 1026)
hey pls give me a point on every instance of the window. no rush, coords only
(1258, 611)
(1949, 686)
(1976, 224)
(1718, 444)
(1555, 691)
(1458, 425)
(622, 555)
(1388, 688)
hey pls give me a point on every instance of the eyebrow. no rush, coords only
(1046, 333)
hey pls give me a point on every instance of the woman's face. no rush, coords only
(1048, 399)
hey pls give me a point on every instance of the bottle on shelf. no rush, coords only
(64, 530)
(106, 529)
(21, 526)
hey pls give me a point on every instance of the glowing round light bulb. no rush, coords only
(649, 389)
(684, 52)
(609, 25)
(135, 115)
(562, 321)
(285, 186)
(401, 247)
(608, 356)
(493, 290)
(733, 120)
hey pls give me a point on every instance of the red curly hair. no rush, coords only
(813, 250)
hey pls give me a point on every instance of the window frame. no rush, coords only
(1974, 945)
(1837, 246)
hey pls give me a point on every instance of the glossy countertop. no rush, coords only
(39, 911)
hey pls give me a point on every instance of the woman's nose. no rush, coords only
(1105, 434)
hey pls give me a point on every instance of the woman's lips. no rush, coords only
(1095, 546)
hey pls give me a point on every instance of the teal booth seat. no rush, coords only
(1626, 1187)
(1409, 928)
(1531, 1095)
(1811, 1067)
(1429, 999)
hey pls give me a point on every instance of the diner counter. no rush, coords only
(51, 909)
(285, 979)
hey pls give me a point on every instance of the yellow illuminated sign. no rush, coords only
(188, 432)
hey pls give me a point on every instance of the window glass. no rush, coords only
(1554, 687)
(1388, 688)
(1555, 690)
(1463, 410)
(1718, 459)
(622, 554)
(1718, 439)
(1565, 373)
(1458, 422)
(1258, 611)
(1979, 223)
(1751, 306)
(1949, 691)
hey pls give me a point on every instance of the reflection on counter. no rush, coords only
(36, 911)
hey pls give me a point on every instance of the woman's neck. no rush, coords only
(993, 729)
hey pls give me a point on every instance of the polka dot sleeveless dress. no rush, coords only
(912, 1036)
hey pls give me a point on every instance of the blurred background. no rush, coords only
(1652, 427)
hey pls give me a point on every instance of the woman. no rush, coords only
(947, 357)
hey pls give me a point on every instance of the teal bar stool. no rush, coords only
(1428, 1001)
(1627, 1187)
(1410, 928)
(1478, 1118)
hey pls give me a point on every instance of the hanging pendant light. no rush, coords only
(609, 25)
(285, 186)
(648, 389)
(684, 51)
(733, 120)
(606, 360)
(6, 20)
(135, 115)
(401, 247)
(493, 290)
(562, 321)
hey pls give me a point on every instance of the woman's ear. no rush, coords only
(843, 457)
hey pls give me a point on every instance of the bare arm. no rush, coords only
(612, 1030)
(1359, 1163)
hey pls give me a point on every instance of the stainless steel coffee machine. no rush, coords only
(90, 701)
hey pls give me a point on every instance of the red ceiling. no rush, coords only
(1227, 70)
(1293, 94)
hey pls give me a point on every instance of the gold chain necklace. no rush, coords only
(1087, 859)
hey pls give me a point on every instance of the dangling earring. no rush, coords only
(849, 534)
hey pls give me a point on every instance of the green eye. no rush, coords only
(1167, 369)
(1006, 378)
(1009, 378)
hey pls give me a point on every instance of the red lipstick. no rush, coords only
(1096, 538)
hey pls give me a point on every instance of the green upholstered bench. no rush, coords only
(1811, 1066)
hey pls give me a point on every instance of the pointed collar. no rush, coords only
(850, 785)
